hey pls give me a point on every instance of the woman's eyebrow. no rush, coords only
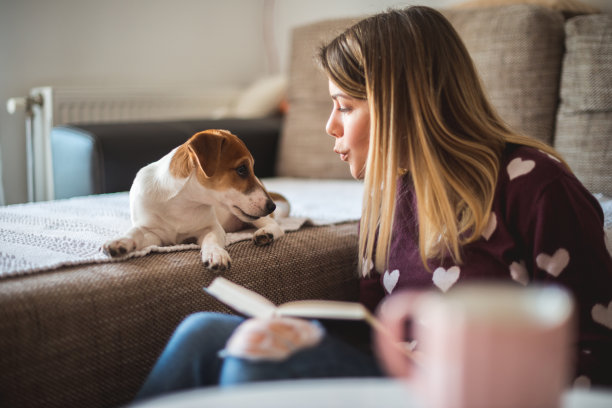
(340, 95)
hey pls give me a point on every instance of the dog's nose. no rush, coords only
(270, 206)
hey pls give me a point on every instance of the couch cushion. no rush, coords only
(584, 120)
(569, 8)
(306, 150)
(517, 50)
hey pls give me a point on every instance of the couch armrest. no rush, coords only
(104, 158)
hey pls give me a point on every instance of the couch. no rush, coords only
(87, 335)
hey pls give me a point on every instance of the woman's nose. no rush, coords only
(332, 127)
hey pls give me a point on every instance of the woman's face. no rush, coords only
(349, 124)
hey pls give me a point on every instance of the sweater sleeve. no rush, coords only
(565, 244)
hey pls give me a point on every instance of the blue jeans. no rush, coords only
(191, 359)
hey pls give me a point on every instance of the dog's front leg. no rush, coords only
(268, 231)
(136, 238)
(214, 256)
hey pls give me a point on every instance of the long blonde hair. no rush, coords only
(430, 117)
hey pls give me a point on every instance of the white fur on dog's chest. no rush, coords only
(170, 205)
(175, 223)
(188, 219)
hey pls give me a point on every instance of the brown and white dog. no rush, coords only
(196, 193)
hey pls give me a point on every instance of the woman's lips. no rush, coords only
(343, 155)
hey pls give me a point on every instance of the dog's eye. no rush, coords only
(242, 171)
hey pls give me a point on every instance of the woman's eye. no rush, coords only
(242, 171)
(343, 109)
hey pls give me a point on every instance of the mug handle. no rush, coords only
(389, 342)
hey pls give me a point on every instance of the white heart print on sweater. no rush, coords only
(519, 167)
(519, 273)
(444, 279)
(555, 264)
(602, 315)
(390, 280)
(491, 226)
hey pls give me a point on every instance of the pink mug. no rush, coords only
(481, 345)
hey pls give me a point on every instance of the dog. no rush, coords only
(196, 193)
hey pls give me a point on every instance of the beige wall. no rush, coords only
(156, 43)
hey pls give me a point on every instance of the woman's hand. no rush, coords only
(275, 338)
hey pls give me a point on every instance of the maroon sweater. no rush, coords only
(545, 227)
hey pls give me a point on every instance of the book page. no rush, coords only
(240, 298)
(323, 309)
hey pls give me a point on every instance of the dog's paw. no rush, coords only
(215, 258)
(267, 234)
(119, 247)
(261, 237)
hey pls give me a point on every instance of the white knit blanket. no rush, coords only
(47, 235)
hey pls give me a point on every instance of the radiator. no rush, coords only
(47, 107)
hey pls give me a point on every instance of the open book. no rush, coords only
(252, 304)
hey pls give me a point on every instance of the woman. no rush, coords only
(452, 194)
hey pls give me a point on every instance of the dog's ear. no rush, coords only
(206, 150)
(181, 163)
